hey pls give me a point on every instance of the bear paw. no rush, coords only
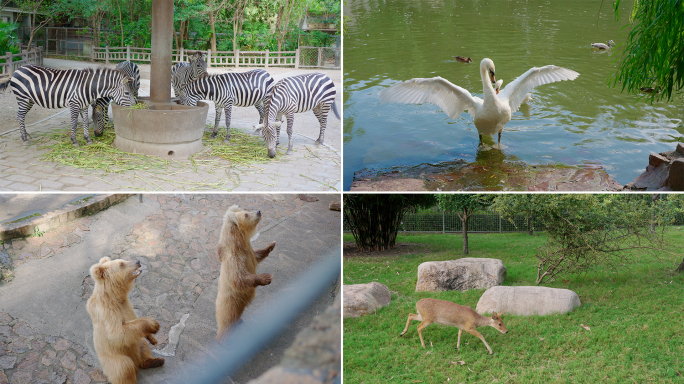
(265, 279)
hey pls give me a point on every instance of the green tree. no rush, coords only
(464, 205)
(374, 219)
(586, 230)
(653, 56)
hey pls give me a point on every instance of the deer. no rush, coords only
(455, 315)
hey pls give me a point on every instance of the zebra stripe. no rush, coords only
(244, 89)
(183, 73)
(297, 94)
(100, 117)
(73, 88)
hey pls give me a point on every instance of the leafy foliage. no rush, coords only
(374, 219)
(653, 56)
(8, 40)
(585, 231)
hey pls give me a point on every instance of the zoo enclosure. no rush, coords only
(77, 42)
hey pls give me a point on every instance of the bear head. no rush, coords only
(115, 272)
(242, 223)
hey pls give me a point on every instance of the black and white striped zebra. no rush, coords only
(183, 73)
(101, 106)
(227, 90)
(297, 94)
(73, 88)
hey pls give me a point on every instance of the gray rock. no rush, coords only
(362, 299)
(460, 275)
(527, 300)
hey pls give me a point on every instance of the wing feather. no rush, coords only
(451, 98)
(515, 92)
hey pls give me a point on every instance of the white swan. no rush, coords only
(489, 115)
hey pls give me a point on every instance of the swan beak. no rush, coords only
(491, 77)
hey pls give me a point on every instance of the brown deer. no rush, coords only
(455, 315)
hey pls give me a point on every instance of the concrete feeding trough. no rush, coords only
(165, 128)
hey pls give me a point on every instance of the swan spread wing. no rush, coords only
(451, 98)
(515, 92)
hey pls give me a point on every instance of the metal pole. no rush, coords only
(443, 226)
(162, 40)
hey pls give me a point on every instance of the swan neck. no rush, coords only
(487, 88)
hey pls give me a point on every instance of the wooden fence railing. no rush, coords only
(12, 61)
(214, 59)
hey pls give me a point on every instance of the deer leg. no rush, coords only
(458, 343)
(422, 326)
(477, 334)
(411, 316)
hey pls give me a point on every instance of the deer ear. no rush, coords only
(495, 316)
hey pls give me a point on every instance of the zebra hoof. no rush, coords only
(97, 134)
(318, 142)
(89, 142)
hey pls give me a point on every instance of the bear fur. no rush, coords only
(238, 279)
(119, 336)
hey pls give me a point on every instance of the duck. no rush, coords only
(463, 59)
(491, 113)
(603, 46)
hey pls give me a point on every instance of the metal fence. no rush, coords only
(320, 57)
(244, 342)
(445, 222)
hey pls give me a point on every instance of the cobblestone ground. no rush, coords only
(309, 168)
(175, 243)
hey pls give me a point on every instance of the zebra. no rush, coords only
(244, 89)
(77, 89)
(297, 94)
(183, 73)
(100, 117)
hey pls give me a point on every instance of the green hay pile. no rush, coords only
(243, 149)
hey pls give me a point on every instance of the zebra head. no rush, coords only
(121, 90)
(185, 95)
(269, 132)
(198, 64)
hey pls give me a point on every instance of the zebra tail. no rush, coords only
(3, 85)
(334, 108)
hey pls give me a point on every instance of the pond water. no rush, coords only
(585, 121)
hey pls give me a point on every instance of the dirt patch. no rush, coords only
(351, 250)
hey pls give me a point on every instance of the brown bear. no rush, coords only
(238, 281)
(119, 336)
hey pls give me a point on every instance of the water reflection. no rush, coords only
(584, 121)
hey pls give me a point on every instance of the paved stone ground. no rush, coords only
(46, 333)
(309, 168)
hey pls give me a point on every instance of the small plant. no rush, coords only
(38, 233)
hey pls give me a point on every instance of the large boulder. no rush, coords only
(527, 300)
(460, 275)
(362, 299)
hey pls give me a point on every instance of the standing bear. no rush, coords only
(119, 336)
(238, 279)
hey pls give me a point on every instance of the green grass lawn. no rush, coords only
(634, 314)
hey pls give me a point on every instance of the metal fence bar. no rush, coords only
(243, 342)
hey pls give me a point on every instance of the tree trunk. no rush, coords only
(464, 221)
(530, 224)
(680, 267)
(212, 24)
(654, 197)
(120, 23)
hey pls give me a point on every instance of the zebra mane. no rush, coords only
(99, 69)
